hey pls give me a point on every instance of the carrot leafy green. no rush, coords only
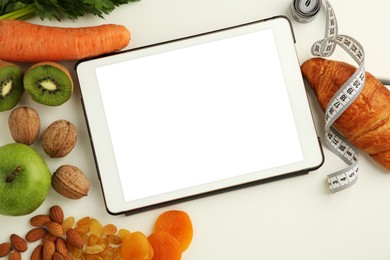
(57, 9)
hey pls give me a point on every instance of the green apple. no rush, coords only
(25, 179)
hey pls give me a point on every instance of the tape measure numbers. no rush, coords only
(343, 98)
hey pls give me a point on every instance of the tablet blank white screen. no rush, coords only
(197, 115)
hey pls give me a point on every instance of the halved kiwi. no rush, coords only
(11, 85)
(48, 83)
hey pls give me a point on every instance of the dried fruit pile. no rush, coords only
(87, 238)
(172, 235)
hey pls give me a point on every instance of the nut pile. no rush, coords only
(57, 140)
(66, 238)
(14, 248)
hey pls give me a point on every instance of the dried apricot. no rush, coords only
(136, 246)
(165, 246)
(178, 224)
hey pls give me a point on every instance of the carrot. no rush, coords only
(22, 41)
(178, 224)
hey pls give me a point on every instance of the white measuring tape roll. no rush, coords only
(341, 100)
(305, 11)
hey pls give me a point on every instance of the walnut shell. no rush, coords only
(24, 124)
(59, 138)
(70, 182)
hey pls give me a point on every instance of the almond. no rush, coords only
(39, 220)
(57, 214)
(58, 256)
(74, 238)
(35, 234)
(54, 228)
(49, 237)
(5, 248)
(68, 257)
(61, 246)
(18, 243)
(48, 250)
(15, 255)
(37, 253)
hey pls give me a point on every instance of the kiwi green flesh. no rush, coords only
(48, 85)
(11, 86)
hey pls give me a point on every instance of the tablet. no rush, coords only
(194, 116)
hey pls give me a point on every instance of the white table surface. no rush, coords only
(295, 218)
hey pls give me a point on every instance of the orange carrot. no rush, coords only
(22, 41)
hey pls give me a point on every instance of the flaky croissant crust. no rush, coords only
(366, 123)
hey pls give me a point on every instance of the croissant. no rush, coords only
(366, 122)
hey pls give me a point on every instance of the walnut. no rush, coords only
(70, 182)
(24, 124)
(59, 138)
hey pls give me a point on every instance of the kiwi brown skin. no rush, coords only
(11, 85)
(48, 83)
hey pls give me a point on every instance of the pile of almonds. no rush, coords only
(49, 229)
(66, 239)
(14, 248)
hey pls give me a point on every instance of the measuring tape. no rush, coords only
(305, 11)
(343, 98)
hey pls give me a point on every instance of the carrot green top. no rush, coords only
(72, 9)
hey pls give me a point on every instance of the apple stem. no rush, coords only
(13, 174)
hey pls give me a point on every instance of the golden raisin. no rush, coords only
(95, 249)
(123, 233)
(83, 221)
(96, 228)
(68, 223)
(109, 229)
